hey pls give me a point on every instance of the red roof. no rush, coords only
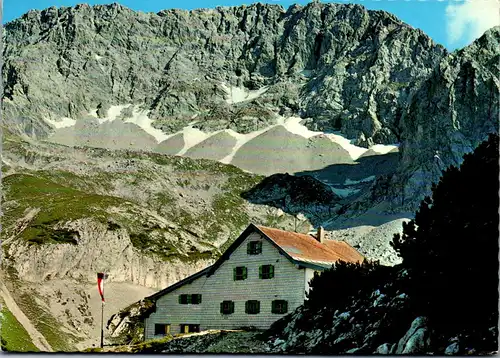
(306, 248)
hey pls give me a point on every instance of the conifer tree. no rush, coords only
(450, 249)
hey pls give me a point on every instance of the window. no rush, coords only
(266, 271)
(190, 328)
(194, 299)
(162, 329)
(279, 306)
(252, 307)
(240, 273)
(227, 307)
(254, 247)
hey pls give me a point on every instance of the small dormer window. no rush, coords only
(254, 247)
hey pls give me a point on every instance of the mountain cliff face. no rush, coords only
(451, 113)
(356, 104)
(345, 67)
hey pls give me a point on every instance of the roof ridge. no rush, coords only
(310, 239)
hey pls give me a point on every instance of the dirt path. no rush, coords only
(38, 339)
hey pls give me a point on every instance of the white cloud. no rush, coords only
(466, 21)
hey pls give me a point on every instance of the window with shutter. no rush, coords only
(254, 247)
(266, 271)
(279, 306)
(195, 299)
(227, 307)
(240, 273)
(252, 307)
(184, 299)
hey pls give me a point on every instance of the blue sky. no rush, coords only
(452, 23)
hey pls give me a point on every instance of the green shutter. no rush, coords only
(259, 247)
(249, 247)
(260, 271)
(273, 307)
(188, 298)
(222, 307)
(231, 307)
(199, 298)
(271, 271)
(180, 299)
(234, 274)
(285, 306)
(245, 273)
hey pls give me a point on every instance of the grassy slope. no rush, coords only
(14, 336)
(57, 203)
(64, 196)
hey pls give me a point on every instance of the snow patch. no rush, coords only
(237, 94)
(343, 192)
(63, 123)
(306, 73)
(141, 119)
(354, 151)
(192, 136)
(352, 182)
(114, 112)
(293, 125)
(384, 148)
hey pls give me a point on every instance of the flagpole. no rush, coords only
(102, 316)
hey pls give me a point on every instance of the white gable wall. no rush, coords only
(170, 311)
(309, 274)
(288, 284)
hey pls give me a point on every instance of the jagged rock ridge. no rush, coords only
(344, 66)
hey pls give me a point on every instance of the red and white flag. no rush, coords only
(101, 276)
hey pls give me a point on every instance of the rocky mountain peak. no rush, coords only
(344, 66)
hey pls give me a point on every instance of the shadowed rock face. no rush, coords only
(294, 194)
(447, 117)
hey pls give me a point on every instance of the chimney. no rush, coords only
(320, 235)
